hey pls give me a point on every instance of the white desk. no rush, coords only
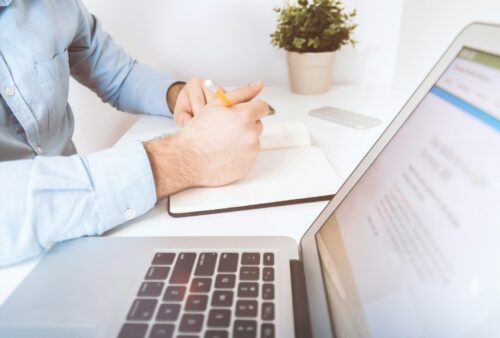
(343, 146)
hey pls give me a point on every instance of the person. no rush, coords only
(48, 192)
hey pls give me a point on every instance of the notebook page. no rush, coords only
(278, 175)
(288, 134)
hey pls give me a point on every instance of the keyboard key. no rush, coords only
(222, 298)
(163, 258)
(249, 273)
(219, 318)
(142, 309)
(268, 258)
(268, 291)
(150, 289)
(162, 331)
(196, 303)
(157, 272)
(267, 311)
(248, 290)
(174, 293)
(191, 323)
(168, 312)
(182, 268)
(268, 274)
(228, 262)
(224, 281)
(216, 334)
(206, 264)
(250, 258)
(267, 330)
(133, 330)
(245, 329)
(246, 308)
(200, 285)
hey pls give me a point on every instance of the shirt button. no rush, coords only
(129, 214)
(39, 150)
(9, 91)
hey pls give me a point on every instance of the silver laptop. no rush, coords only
(409, 247)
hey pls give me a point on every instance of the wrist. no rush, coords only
(173, 165)
(172, 94)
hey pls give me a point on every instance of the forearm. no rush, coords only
(174, 165)
(144, 90)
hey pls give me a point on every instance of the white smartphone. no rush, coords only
(345, 117)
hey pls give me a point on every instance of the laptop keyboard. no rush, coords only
(209, 294)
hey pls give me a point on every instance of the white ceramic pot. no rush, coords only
(310, 73)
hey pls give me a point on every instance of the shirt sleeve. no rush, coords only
(51, 199)
(98, 63)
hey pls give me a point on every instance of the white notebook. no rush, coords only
(288, 170)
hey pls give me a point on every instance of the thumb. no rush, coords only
(182, 118)
(246, 93)
(186, 120)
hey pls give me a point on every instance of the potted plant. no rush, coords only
(311, 32)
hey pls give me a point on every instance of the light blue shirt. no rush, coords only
(47, 193)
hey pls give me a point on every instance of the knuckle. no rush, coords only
(250, 117)
(261, 105)
(256, 146)
(247, 116)
(252, 140)
(193, 83)
(253, 155)
(248, 140)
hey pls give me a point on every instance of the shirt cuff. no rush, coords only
(123, 184)
(145, 91)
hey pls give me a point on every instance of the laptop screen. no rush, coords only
(414, 248)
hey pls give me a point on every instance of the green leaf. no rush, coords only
(313, 26)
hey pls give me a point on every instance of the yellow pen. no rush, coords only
(218, 92)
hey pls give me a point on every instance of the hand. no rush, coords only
(193, 97)
(226, 153)
(190, 100)
(217, 147)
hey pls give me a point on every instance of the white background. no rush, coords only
(228, 41)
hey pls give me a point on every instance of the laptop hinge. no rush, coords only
(301, 316)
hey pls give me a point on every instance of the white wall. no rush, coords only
(226, 40)
(428, 28)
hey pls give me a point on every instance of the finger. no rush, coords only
(196, 98)
(259, 127)
(176, 118)
(209, 95)
(181, 117)
(187, 119)
(255, 110)
(246, 93)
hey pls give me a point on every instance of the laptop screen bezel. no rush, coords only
(479, 36)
